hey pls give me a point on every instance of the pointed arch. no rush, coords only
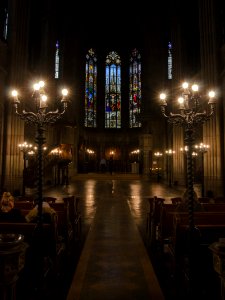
(90, 89)
(135, 89)
(57, 60)
(170, 61)
(113, 91)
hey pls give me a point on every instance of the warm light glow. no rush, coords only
(44, 98)
(158, 154)
(23, 147)
(162, 96)
(212, 94)
(65, 92)
(36, 86)
(202, 147)
(169, 152)
(14, 93)
(181, 100)
(56, 151)
(185, 85)
(41, 84)
(184, 149)
(195, 87)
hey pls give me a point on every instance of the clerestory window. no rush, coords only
(135, 89)
(90, 89)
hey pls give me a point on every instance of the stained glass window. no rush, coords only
(57, 60)
(113, 91)
(170, 61)
(135, 89)
(90, 89)
(4, 19)
(5, 33)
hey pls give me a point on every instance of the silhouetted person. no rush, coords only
(103, 165)
(111, 165)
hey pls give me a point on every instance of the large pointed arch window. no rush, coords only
(57, 60)
(170, 61)
(4, 18)
(135, 89)
(113, 91)
(90, 89)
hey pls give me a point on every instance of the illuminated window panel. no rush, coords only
(135, 90)
(113, 91)
(90, 90)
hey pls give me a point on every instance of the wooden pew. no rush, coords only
(204, 199)
(153, 218)
(216, 207)
(219, 199)
(27, 205)
(49, 245)
(49, 199)
(149, 216)
(64, 227)
(170, 211)
(24, 206)
(211, 226)
(176, 200)
(25, 198)
(74, 215)
(166, 222)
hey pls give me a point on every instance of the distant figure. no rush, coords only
(48, 213)
(103, 165)
(8, 213)
(111, 165)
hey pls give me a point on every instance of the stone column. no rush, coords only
(209, 75)
(179, 170)
(146, 148)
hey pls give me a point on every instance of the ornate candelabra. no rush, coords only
(158, 155)
(189, 117)
(25, 148)
(202, 149)
(40, 118)
(169, 153)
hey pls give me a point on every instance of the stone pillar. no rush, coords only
(179, 170)
(213, 173)
(146, 148)
(17, 74)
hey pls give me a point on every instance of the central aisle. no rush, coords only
(114, 264)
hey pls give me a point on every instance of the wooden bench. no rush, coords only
(49, 199)
(47, 245)
(211, 227)
(211, 214)
(219, 199)
(74, 215)
(65, 229)
(214, 207)
(204, 199)
(25, 198)
(27, 205)
(153, 218)
(166, 222)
